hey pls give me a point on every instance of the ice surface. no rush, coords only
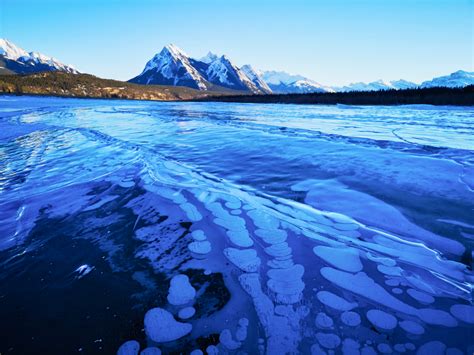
(295, 217)
(160, 326)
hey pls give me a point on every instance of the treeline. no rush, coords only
(430, 96)
(55, 83)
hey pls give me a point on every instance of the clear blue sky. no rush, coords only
(334, 42)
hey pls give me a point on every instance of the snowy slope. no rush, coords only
(19, 61)
(460, 78)
(255, 77)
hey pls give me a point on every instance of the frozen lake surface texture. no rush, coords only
(218, 228)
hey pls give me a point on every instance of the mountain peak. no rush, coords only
(209, 58)
(173, 50)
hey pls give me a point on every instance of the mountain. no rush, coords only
(255, 77)
(284, 83)
(460, 78)
(15, 60)
(171, 67)
(174, 67)
(377, 85)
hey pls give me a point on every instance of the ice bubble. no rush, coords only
(274, 236)
(316, 350)
(231, 222)
(196, 352)
(343, 258)
(390, 270)
(363, 285)
(335, 302)
(384, 348)
(392, 282)
(151, 351)
(278, 250)
(382, 320)
(350, 347)
(235, 212)
(186, 312)
(240, 238)
(380, 259)
(453, 351)
(350, 318)
(400, 348)
(241, 333)
(203, 247)
(181, 291)
(280, 264)
(432, 348)
(212, 350)
(246, 260)
(323, 321)
(226, 339)
(160, 326)
(420, 296)
(328, 340)
(410, 346)
(191, 211)
(130, 347)
(263, 220)
(412, 327)
(198, 235)
(397, 291)
(286, 281)
(437, 317)
(368, 350)
(463, 312)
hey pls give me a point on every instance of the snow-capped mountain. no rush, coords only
(377, 85)
(460, 78)
(224, 73)
(15, 60)
(171, 67)
(174, 67)
(284, 83)
(255, 77)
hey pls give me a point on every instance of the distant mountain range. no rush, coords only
(173, 67)
(15, 60)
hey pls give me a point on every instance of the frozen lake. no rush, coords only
(235, 228)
